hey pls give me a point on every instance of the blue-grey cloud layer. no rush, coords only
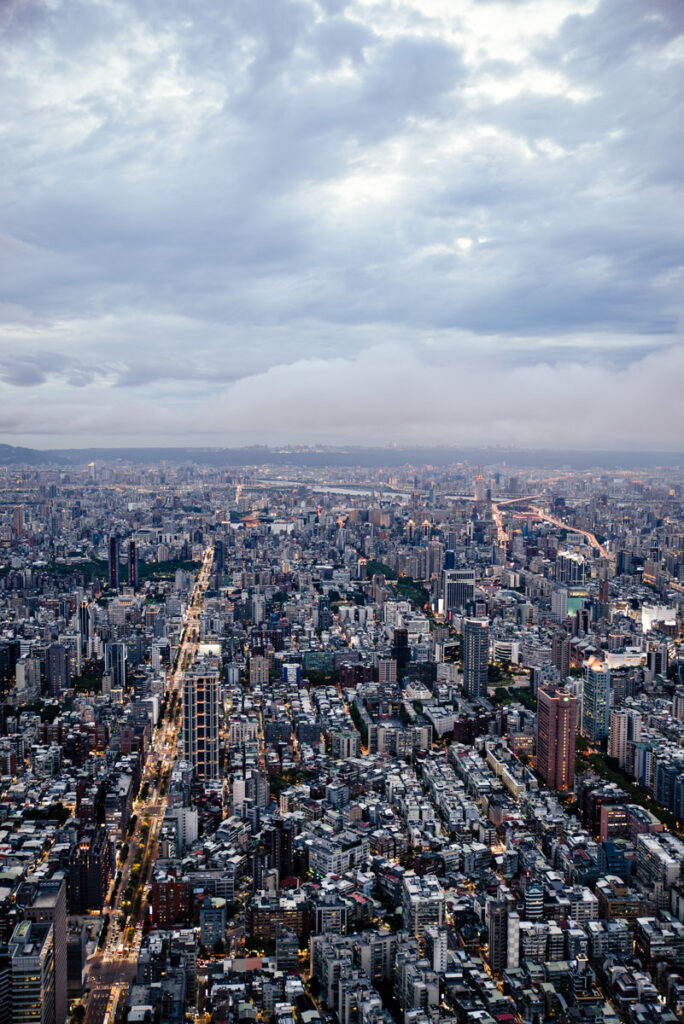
(383, 210)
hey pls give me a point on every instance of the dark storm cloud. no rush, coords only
(226, 199)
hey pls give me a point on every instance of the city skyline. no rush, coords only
(340, 743)
(352, 222)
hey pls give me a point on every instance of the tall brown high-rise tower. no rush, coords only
(556, 729)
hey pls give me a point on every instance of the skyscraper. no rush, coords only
(200, 720)
(556, 729)
(133, 572)
(45, 900)
(435, 557)
(503, 926)
(436, 947)
(10, 651)
(401, 652)
(596, 702)
(625, 726)
(459, 588)
(480, 489)
(57, 670)
(559, 604)
(90, 870)
(569, 568)
(560, 654)
(497, 927)
(116, 655)
(219, 556)
(617, 737)
(475, 657)
(678, 704)
(18, 523)
(86, 618)
(32, 972)
(113, 575)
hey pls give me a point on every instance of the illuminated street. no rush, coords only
(118, 958)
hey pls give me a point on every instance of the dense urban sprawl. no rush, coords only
(341, 745)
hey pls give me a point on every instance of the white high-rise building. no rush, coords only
(513, 945)
(436, 947)
(559, 604)
(625, 730)
(677, 704)
(575, 686)
(187, 828)
(239, 792)
(617, 736)
(423, 903)
(28, 674)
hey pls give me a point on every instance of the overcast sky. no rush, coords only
(228, 221)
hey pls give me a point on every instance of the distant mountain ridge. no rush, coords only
(318, 457)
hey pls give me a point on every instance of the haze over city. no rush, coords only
(227, 223)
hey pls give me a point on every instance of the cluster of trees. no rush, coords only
(609, 769)
(103, 935)
(405, 585)
(48, 710)
(133, 894)
(90, 679)
(373, 566)
(219, 948)
(359, 722)
(165, 782)
(289, 778)
(499, 671)
(323, 677)
(515, 694)
(91, 569)
(166, 570)
(168, 708)
(55, 812)
(115, 888)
